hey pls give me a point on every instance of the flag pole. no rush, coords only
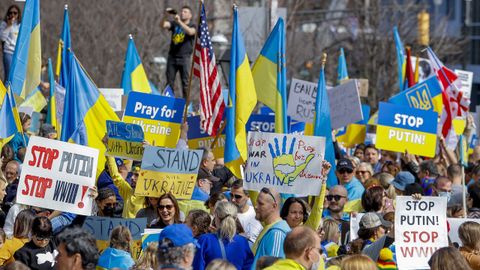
(187, 98)
(218, 134)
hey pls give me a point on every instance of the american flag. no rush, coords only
(205, 68)
(454, 103)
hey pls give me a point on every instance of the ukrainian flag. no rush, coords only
(426, 95)
(85, 111)
(269, 74)
(24, 75)
(8, 116)
(35, 100)
(243, 99)
(354, 133)
(134, 77)
(342, 72)
(64, 45)
(323, 126)
(400, 57)
(52, 111)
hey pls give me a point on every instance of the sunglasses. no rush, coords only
(334, 197)
(12, 13)
(237, 197)
(267, 191)
(45, 238)
(362, 172)
(342, 171)
(168, 207)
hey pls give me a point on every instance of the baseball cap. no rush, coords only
(372, 220)
(179, 234)
(344, 163)
(119, 162)
(205, 174)
(402, 179)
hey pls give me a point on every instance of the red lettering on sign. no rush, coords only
(36, 186)
(43, 157)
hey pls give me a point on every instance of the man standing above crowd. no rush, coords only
(181, 45)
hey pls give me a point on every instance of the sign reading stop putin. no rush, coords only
(403, 129)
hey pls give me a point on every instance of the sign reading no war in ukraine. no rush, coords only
(401, 128)
(160, 117)
(285, 162)
(168, 170)
(124, 140)
(57, 175)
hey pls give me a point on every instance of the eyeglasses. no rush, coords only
(168, 207)
(334, 197)
(362, 172)
(342, 171)
(267, 191)
(237, 197)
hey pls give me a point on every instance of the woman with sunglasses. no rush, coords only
(167, 210)
(38, 254)
(9, 29)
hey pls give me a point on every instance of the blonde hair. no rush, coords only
(330, 227)
(226, 213)
(219, 264)
(148, 258)
(120, 238)
(358, 262)
(469, 233)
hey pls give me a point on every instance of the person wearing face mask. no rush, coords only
(442, 187)
(302, 251)
(106, 203)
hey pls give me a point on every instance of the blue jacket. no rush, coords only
(237, 251)
(199, 195)
(355, 189)
(115, 258)
(271, 243)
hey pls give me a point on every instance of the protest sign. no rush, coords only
(57, 175)
(160, 117)
(124, 140)
(288, 163)
(101, 228)
(301, 100)
(355, 133)
(345, 106)
(362, 86)
(113, 97)
(426, 95)
(168, 170)
(425, 68)
(197, 137)
(401, 128)
(454, 224)
(420, 229)
(355, 225)
(262, 123)
(466, 78)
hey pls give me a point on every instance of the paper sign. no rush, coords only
(160, 117)
(285, 162)
(466, 78)
(401, 128)
(454, 224)
(113, 97)
(168, 170)
(345, 106)
(355, 225)
(301, 101)
(124, 140)
(425, 68)
(57, 175)
(420, 229)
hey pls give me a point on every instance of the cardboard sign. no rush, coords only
(425, 68)
(301, 100)
(168, 170)
(420, 229)
(345, 106)
(402, 128)
(426, 95)
(57, 175)
(198, 137)
(362, 87)
(160, 117)
(113, 97)
(285, 162)
(466, 78)
(124, 140)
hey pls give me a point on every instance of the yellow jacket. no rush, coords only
(288, 264)
(9, 248)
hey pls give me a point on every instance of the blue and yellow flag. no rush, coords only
(243, 99)
(269, 74)
(400, 57)
(86, 111)
(8, 115)
(426, 95)
(323, 126)
(134, 77)
(35, 100)
(52, 111)
(64, 45)
(25, 74)
(342, 72)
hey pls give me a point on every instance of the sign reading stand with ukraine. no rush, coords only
(160, 117)
(402, 128)
(167, 170)
(124, 140)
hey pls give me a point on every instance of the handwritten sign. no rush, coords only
(160, 117)
(401, 128)
(124, 140)
(288, 163)
(420, 229)
(198, 137)
(301, 100)
(168, 170)
(57, 175)
(345, 106)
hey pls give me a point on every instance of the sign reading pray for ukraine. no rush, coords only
(160, 117)
(285, 162)
(167, 170)
(401, 128)
(124, 140)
